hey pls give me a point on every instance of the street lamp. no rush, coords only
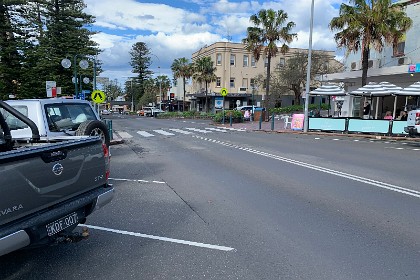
(84, 64)
(308, 72)
(160, 84)
(132, 93)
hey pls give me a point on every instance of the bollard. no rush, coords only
(261, 117)
(230, 120)
(272, 121)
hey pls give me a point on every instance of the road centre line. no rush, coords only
(135, 180)
(166, 239)
(368, 181)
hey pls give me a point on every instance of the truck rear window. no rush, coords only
(63, 116)
(13, 122)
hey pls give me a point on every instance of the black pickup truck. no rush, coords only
(47, 189)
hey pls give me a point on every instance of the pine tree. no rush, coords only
(140, 61)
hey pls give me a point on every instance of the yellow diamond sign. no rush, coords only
(98, 96)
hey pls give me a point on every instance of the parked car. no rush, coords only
(149, 111)
(105, 112)
(244, 108)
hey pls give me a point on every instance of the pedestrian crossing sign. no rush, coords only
(98, 96)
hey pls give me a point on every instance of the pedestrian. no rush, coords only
(246, 115)
(366, 110)
(388, 115)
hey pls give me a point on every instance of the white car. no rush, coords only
(413, 123)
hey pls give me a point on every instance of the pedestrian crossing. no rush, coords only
(177, 131)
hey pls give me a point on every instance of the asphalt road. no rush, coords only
(193, 202)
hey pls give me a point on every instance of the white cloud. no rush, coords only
(173, 32)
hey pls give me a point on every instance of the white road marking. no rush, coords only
(317, 138)
(198, 130)
(233, 129)
(356, 140)
(180, 131)
(135, 180)
(166, 239)
(163, 132)
(124, 135)
(364, 180)
(215, 129)
(145, 134)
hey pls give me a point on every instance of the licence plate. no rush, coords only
(62, 223)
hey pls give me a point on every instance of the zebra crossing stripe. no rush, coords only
(180, 131)
(163, 132)
(198, 130)
(144, 134)
(215, 129)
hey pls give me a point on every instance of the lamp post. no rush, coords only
(308, 71)
(130, 79)
(160, 84)
(84, 64)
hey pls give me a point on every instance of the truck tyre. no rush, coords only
(94, 128)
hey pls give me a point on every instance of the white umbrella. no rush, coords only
(412, 90)
(371, 90)
(392, 89)
(328, 90)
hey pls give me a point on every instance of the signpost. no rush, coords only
(223, 93)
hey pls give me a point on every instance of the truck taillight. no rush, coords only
(107, 160)
(417, 118)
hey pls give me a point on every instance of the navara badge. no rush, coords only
(57, 169)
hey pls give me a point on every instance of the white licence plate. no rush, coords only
(61, 224)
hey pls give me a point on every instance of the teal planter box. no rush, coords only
(372, 126)
(327, 124)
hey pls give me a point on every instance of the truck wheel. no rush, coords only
(94, 128)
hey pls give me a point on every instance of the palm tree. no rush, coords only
(182, 68)
(163, 83)
(369, 24)
(204, 72)
(269, 27)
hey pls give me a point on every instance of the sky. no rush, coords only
(175, 29)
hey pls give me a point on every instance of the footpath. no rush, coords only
(279, 127)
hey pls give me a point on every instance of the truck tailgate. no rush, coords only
(37, 178)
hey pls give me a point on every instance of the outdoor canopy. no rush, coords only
(328, 90)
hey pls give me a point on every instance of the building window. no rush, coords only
(232, 60)
(253, 61)
(282, 62)
(252, 83)
(218, 82)
(246, 60)
(245, 82)
(232, 82)
(218, 59)
(266, 62)
(399, 49)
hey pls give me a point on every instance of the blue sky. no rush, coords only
(174, 29)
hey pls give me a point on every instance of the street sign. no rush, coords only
(98, 96)
(224, 92)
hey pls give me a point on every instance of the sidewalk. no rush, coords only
(279, 128)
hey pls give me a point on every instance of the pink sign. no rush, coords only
(297, 121)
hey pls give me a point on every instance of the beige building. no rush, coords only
(236, 70)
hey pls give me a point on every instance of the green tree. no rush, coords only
(269, 28)
(292, 75)
(141, 61)
(367, 24)
(182, 68)
(204, 73)
(150, 92)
